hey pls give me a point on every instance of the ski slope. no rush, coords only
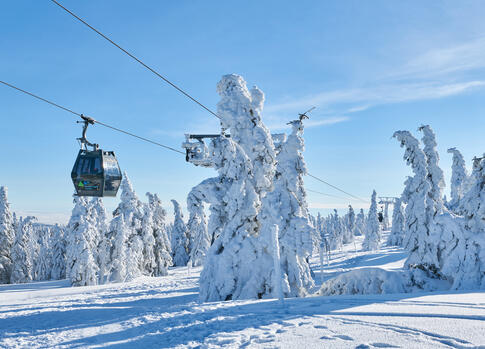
(164, 312)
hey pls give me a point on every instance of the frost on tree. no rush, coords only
(360, 223)
(397, 229)
(197, 225)
(469, 263)
(58, 244)
(22, 252)
(429, 234)
(459, 179)
(372, 229)
(335, 231)
(286, 207)
(240, 111)
(162, 249)
(126, 260)
(6, 237)
(180, 237)
(415, 192)
(349, 220)
(82, 268)
(230, 269)
(434, 173)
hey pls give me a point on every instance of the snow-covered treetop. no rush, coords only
(435, 174)
(459, 177)
(415, 158)
(240, 112)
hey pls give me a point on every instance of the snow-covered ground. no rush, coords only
(164, 312)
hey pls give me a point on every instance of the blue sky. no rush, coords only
(370, 68)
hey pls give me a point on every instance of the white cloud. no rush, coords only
(437, 73)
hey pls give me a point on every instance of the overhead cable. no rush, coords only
(95, 121)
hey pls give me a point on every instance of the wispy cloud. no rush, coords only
(437, 73)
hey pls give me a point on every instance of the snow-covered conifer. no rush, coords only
(335, 231)
(360, 223)
(22, 253)
(286, 207)
(82, 268)
(162, 249)
(415, 192)
(58, 244)
(197, 227)
(240, 111)
(7, 234)
(131, 212)
(180, 237)
(434, 172)
(397, 229)
(459, 178)
(349, 226)
(230, 269)
(372, 230)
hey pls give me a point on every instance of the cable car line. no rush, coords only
(95, 121)
(174, 86)
(325, 194)
(333, 186)
(136, 59)
(143, 138)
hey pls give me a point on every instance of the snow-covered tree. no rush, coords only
(58, 244)
(397, 229)
(180, 237)
(360, 223)
(197, 227)
(43, 262)
(286, 207)
(7, 235)
(459, 178)
(349, 226)
(372, 238)
(469, 265)
(415, 192)
(149, 265)
(125, 232)
(240, 111)
(335, 231)
(230, 269)
(434, 173)
(82, 268)
(22, 253)
(162, 249)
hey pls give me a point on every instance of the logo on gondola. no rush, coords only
(81, 184)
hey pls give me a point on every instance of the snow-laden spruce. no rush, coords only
(162, 249)
(286, 207)
(434, 173)
(459, 179)
(7, 235)
(58, 251)
(23, 252)
(237, 264)
(397, 229)
(197, 225)
(349, 221)
(126, 260)
(415, 191)
(469, 263)
(180, 237)
(372, 238)
(230, 271)
(360, 223)
(240, 111)
(82, 268)
(335, 231)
